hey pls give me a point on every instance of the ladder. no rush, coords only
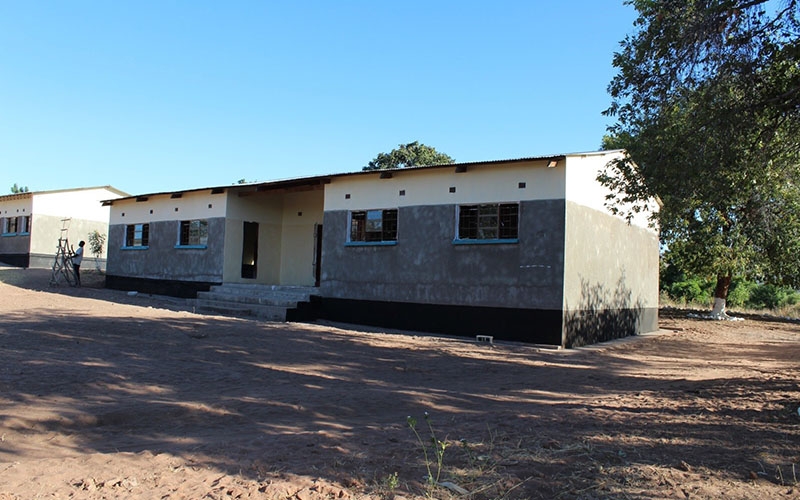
(62, 266)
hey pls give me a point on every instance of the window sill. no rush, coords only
(506, 241)
(8, 234)
(370, 243)
(136, 248)
(191, 247)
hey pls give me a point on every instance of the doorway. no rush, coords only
(317, 253)
(250, 250)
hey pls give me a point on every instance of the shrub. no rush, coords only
(739, 293)
(772, 297)
(690, 290)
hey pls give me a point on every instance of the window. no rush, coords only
(11, 225)
(373, 225)
(194, 233)
(495, 221)
(137, 235)
(24, 225)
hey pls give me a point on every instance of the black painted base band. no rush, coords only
(521, 325)
(16, 259)
(172, 288)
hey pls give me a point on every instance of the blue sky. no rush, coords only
(152, 96)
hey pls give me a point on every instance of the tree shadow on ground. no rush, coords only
(241, 395)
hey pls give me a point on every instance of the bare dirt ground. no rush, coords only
(107, 395)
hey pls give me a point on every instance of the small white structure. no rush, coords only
(31, 223)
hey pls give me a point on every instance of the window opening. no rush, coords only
(137, 235)
(373, 225)
(494, 221)
(194, 232)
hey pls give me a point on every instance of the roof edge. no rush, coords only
(317, 179)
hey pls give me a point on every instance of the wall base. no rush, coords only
(591, 327)
(521, 325)
(172, 288)
(15, 259)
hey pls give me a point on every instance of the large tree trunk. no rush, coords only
(721, 296)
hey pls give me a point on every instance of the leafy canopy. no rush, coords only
(413, 154)
(707, 102)
(15, 189)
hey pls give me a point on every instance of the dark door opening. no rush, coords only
(250, 250)
(317, 253)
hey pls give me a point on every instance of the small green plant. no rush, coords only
(392, 482)
(432, 450)
(96, 242)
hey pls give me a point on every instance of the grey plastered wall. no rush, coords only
(161, 260)
(425, 266)
(611, 280)
(16, 244)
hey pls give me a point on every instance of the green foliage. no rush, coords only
(739, 294)
(432, 450)
(743, 294)
(772, 297)
(692, 290)
(15, 189)
(96, 242)
(412, 154)
(392, 482)
(707, 101)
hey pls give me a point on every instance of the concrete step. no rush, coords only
(267, 302)
(281, 300)
(236, 309)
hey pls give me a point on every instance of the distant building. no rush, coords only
(520, 249)
(31, 223)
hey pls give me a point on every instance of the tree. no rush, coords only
(17, 190)
(412, 154)
(96, 242)
(707, 101)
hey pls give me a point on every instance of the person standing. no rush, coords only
(76, 262)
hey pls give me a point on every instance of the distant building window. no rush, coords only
(11, 225)
(24, 224)
(137, 235)
(492, 221)
(373, 225)
(194, 233)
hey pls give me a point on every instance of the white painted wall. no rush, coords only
(484, 183)
(83, 204)
(583, 188)
(16, 205)
(48, 208)
(157, 208)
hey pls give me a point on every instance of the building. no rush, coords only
(519, 249)
(31, 223)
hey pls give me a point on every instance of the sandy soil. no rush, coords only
(107, 395)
